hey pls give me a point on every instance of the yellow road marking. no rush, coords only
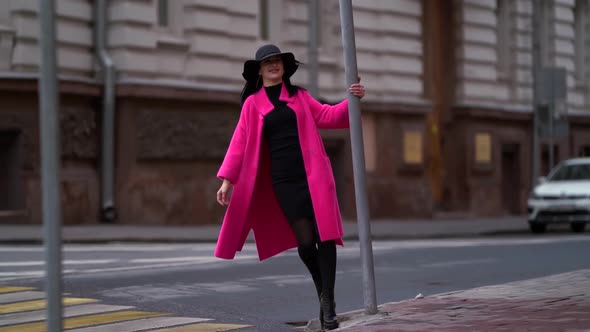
(202, 327)
(76, 322)
(14, 289)
(38, 305)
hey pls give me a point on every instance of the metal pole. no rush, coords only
(50, 164)
(551, 81)
(551, 141)
(358, 158)
(537, 22)
(313, 13)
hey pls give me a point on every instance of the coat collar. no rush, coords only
(263, 103)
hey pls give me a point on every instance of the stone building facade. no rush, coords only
(447, 119)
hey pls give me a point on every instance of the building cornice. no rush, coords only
(176, 89)
(28, 82)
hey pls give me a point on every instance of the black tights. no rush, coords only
(318, 257)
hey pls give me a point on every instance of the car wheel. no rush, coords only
(578, 227)
(537, 227)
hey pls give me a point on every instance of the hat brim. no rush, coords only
(252, 67)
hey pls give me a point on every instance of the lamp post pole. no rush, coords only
(358, 159)
(50, 164)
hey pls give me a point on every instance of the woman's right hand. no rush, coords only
(224, 192)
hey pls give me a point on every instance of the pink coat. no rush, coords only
(253, 205)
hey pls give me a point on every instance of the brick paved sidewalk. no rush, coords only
(554, 303)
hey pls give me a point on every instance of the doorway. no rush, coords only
(511, 198)
(584, 151)
(10, 184)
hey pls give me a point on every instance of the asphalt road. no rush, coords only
(277, 294)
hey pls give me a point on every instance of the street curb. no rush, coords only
(358, 318)
(355, 316)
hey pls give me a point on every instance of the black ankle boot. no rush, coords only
(318, 288)
(328, 311)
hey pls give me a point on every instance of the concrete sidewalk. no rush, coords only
(380, 229)
(555, 303)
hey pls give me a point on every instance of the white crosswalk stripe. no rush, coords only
(21, 296)
(195, 259)
(116, 258)
(21, 275)
(39, 315)
(111, 259)
(66, 262)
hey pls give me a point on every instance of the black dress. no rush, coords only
(289, 179)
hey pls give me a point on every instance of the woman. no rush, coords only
(283, 185)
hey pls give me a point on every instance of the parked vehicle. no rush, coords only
(562, 197)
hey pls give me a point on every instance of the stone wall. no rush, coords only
(79, 145)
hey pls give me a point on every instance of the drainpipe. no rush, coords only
(108, 211)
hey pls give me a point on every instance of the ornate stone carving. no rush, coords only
(79, 133)
(183, 135)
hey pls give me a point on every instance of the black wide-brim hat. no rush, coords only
(252, 67)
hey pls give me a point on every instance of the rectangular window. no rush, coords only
(5, 15)
(315, 13)
(547, 31)
(483, 148)
(163, 13)
(580, 17)
(504, 38)
(263, 19)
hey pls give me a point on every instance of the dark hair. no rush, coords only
(251, 87)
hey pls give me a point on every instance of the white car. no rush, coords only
(562, 197)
